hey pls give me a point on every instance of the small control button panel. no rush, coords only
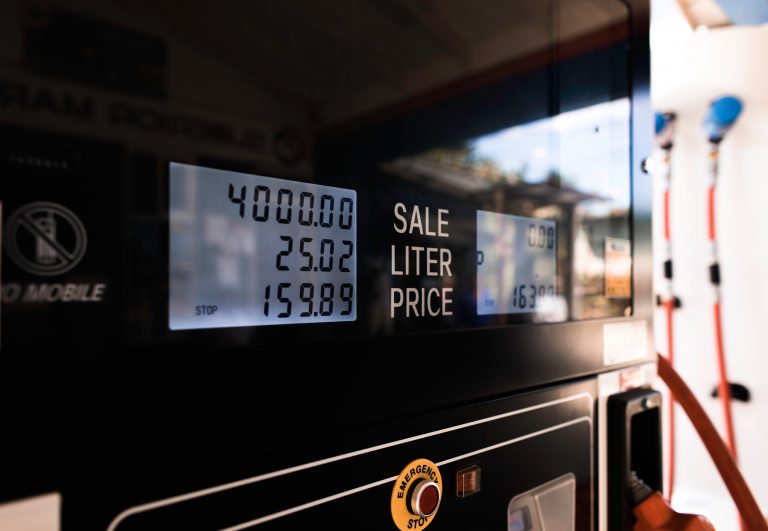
(468, 481)
(416, 495)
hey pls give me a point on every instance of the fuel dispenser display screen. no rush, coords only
(249, 250)
(516, 263)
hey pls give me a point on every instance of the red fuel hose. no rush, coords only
(750, 513)
(724, 387)
(669, 304)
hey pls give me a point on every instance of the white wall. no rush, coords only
(689, 70)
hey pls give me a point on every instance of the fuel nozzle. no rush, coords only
(653, 512)
(722, 114)
(664, 129)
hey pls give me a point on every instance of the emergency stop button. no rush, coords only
(416, 495)
(425, 498)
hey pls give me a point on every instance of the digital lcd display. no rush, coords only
(250, 250)
(516, 264)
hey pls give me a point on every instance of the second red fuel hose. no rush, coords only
(724, 389)
(749, 510)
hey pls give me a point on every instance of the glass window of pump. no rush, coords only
(506, 115)
(570, 170)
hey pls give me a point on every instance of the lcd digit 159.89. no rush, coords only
(249, 250)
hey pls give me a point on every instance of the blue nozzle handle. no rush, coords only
(722, 114)
(661, 122)
(664, 122)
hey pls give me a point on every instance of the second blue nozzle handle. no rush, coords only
(722, 114)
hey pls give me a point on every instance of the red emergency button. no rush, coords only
(416, 495)
(425, 498)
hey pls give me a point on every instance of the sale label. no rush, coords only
(431, 263)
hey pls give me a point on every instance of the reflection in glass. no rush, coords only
(572, 170)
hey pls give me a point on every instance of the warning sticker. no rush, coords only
(618, 268)
(45, 238)
(416, 495)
